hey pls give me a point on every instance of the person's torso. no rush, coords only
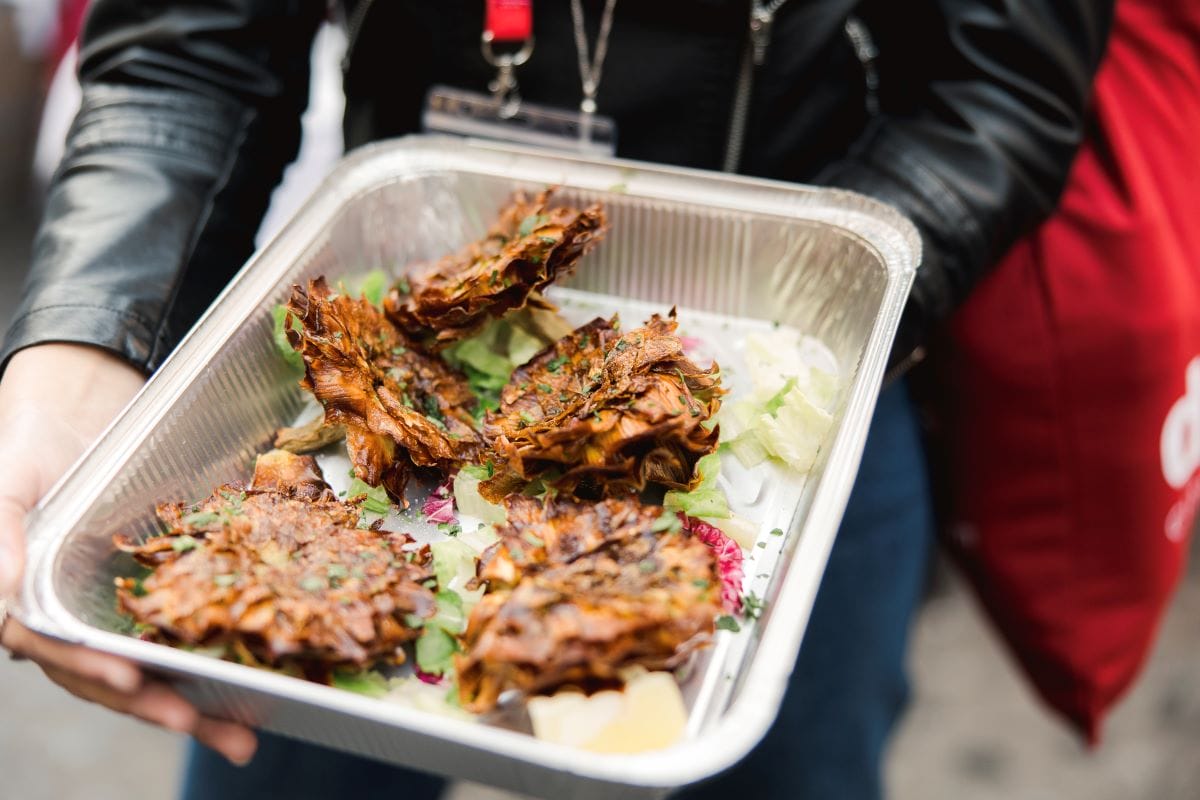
(670, 80)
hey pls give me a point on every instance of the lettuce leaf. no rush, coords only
(707, 499)
(375, 498)
(788, 415)
(373, 287)
(489, 357)
(435, 651)
(367, 682)
(470, 502)
(454, 566)
(280, 316)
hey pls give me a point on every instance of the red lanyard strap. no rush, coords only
(509, 20)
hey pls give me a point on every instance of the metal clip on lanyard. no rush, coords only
(502, 114)
(507, 21)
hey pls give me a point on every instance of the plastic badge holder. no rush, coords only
(462, 113)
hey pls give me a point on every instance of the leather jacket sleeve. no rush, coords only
(189, 116)
(191, 111)
(983, 108)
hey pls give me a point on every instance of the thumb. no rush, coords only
(12, 546)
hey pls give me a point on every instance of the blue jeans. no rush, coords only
(847, 690)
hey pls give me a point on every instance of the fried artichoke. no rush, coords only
(399, 405)
(527, 248)
(601, 413)
(279, 574)
(578, 593)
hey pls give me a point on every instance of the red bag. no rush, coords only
(1070, 394)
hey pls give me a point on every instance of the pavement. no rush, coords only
(973, 731)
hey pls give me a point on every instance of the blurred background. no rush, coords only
(974, 729)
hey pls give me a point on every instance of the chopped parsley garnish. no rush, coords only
(402, 286)
(201, 518)
(527, 418)
(777, 532)
(556, 363)
(647, 565)
(450, 528)
(433, 411)
(727, 623)
(753, 605)
(181, 544)
(545, 388)
(531, 223)
(336, 572)
(621, 346)
(399, 350)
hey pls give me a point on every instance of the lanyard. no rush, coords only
(591, 69)
(506, 43)
(509, 20)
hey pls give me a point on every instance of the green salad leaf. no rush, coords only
(280, 316)
(435, 651)
(366, 682)
(375, 497)
(706, 500)
(489, 357)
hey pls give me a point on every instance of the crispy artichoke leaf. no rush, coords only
(527, 248)
(602, 412)
(399, 405)
(578, 593)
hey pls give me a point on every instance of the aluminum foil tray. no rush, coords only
(834, 265)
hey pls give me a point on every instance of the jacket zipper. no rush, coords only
(762, 16)
(354, 27)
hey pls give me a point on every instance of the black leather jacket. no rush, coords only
(191, 111)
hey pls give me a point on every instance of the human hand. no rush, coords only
(55, 399)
